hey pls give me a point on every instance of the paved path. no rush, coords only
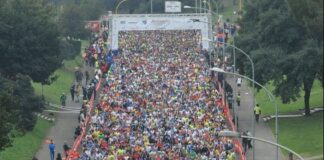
(263, 151)
(63, 129)
(319, 157)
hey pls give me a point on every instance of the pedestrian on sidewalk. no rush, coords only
(58, 157)
(63, 99)
(66, 149)
(245, 142)
(78, 76)
(87, 76)
(78, 93)
(238, 99)
(257, 112)
(51, 148)
(84, 91)
(239, 82)
(249, 141)
(72, 91)
(77, 132)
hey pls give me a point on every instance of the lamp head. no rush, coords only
(217, 70)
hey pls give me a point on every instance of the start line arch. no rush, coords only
(142, 22)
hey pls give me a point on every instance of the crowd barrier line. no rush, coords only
(78, 140)
(237, 142)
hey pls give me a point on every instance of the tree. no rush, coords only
(28, 104)
(29, 41)
(18, 103)
(7, 106)
(29, 49)
(92, 9)
(72, 21)
(284, 49)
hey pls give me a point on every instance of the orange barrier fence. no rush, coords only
(78, 140)
(238, 145)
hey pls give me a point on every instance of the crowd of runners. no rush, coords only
(159, 101)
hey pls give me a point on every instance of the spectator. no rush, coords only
(77, 132)
(58, 157)
(245, 142)
(239, 82)
(87, 76)
(238, 99)
(72, 91)
(257, 112)
(63, 100)
(66, 149)
(51, 148)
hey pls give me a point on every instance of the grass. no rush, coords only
(316, 100)
(26, 146)
(53, 92)
(65, 75)
(303, 135)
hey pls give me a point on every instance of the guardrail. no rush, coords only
(78, 140)
(238, 144)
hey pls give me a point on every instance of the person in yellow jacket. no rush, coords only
(257, 112)
(231, 156)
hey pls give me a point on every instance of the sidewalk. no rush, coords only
(263, 151)
(63, 129)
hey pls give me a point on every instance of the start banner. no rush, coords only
(159, 22)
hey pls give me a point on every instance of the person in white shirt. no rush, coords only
(239, 82)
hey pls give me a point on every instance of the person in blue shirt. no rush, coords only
(51, 148)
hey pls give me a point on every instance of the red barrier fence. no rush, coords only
(238, 145)
(78, 140)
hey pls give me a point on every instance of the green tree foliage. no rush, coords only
(72, 21)
(92, 9)
(7, 105)
(28, 104)
(29, 41)
(284, 46)
(142, 6)
(29, 50)
(17, 106)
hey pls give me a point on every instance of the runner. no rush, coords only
(158, 102)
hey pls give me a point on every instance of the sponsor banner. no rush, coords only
(172, 6)
(165, 22)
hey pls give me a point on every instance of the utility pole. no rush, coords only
(240, 5)
(196, 3)
(151, 6)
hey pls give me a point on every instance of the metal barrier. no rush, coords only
(238, 145)
(78, 140)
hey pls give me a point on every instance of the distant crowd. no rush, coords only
(159, 101)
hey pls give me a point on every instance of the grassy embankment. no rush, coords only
(24, 147)
(302, 134)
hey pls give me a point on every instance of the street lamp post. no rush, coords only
(270, 95)
(151, 6)
(119, 5)
(253, 87)
(212, 12)
(209, 23)
(239, 135)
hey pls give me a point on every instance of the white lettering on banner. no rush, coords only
(164, 22)
(172, 6)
